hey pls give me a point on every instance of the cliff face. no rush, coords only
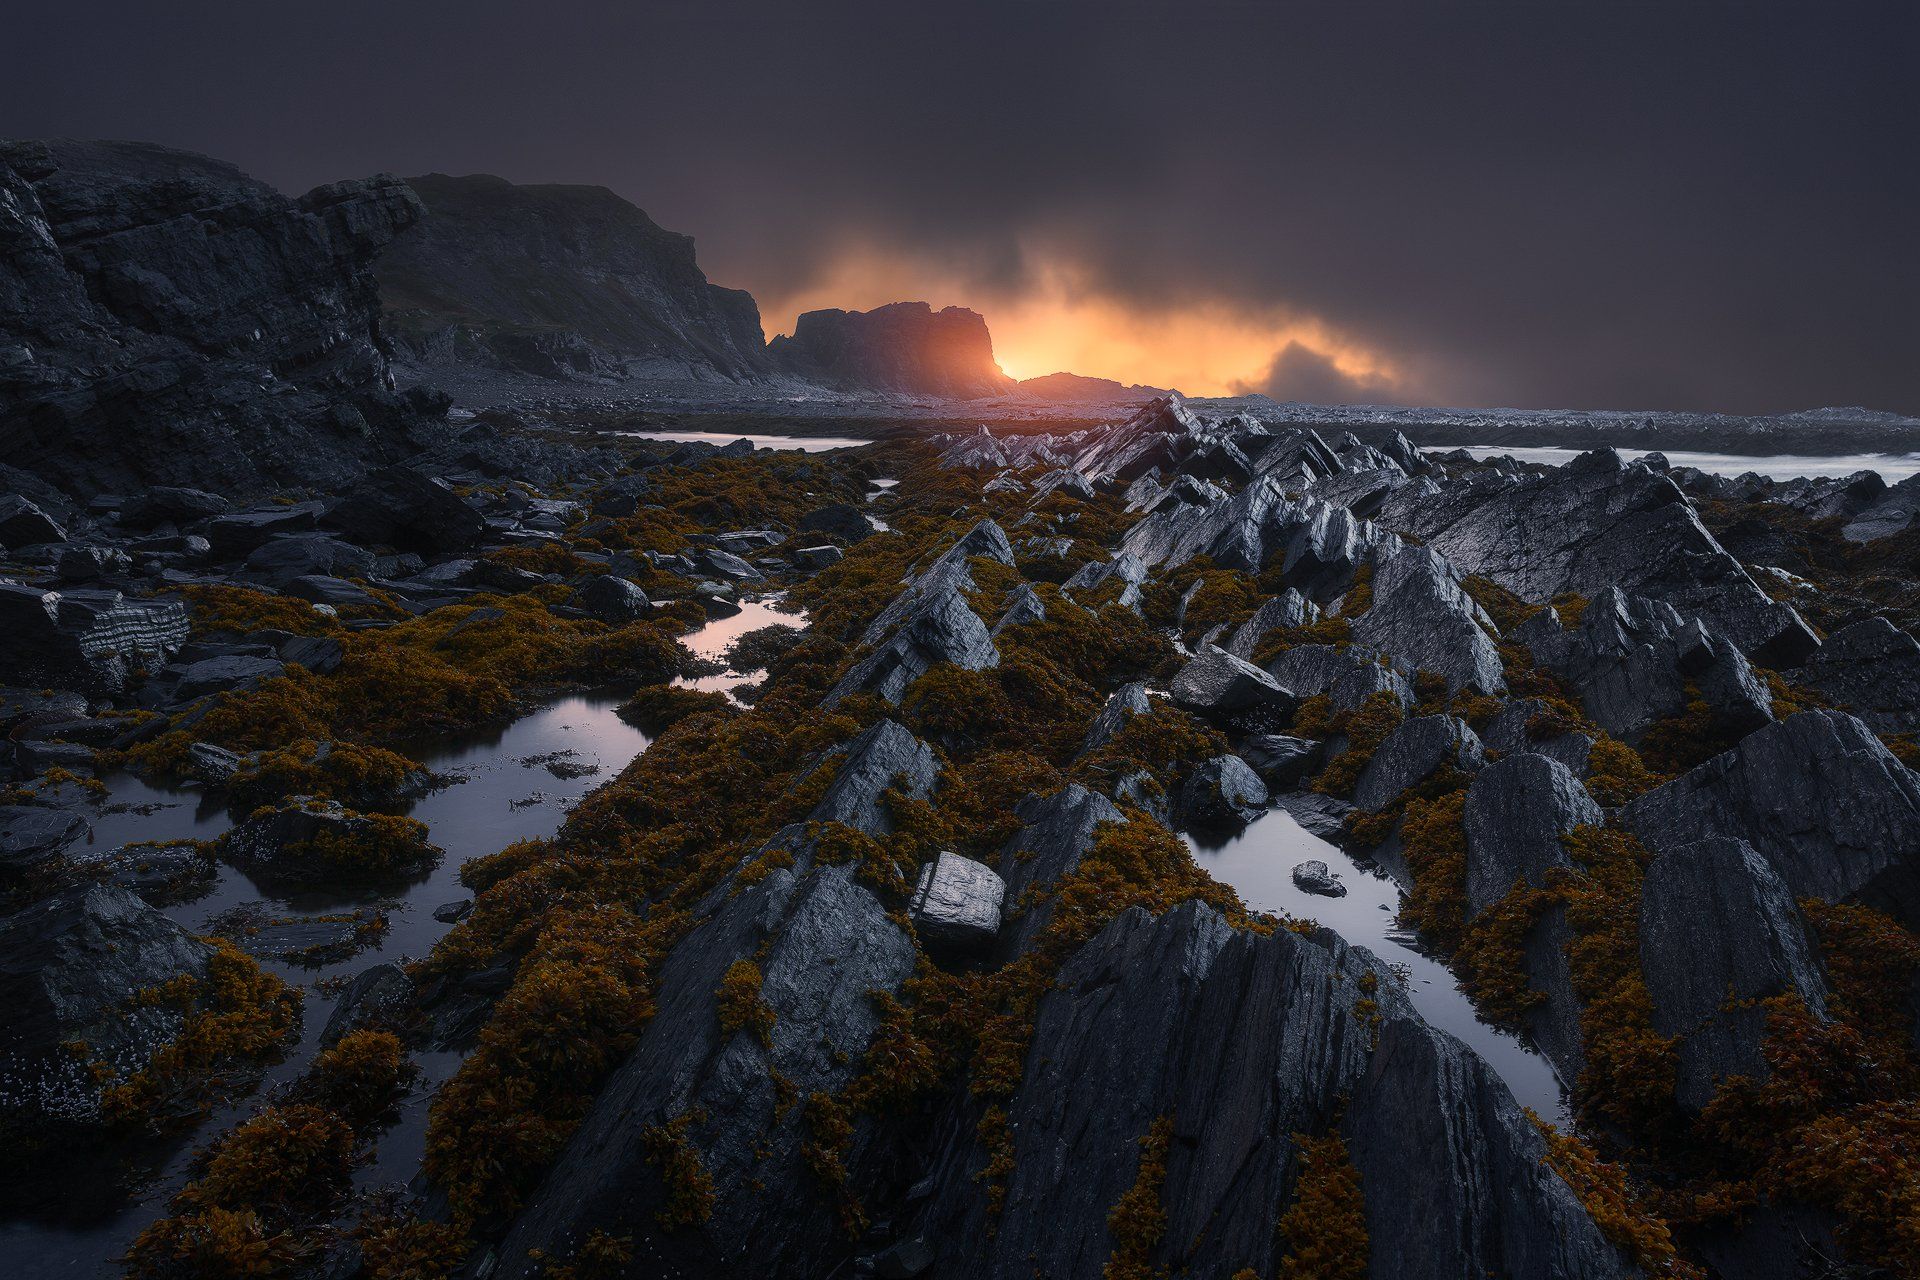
(905, 347)
(165, 319)
(560, 282)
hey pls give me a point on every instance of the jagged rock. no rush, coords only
(190, 326)
(70, 966)
(1221, 792)
(1221, 687)
(1317, 546)
(91, 563)
(161, 874)
(1412, 753)
(398, 507)
(1347, 676)
(30, 834)
(1719, 932)
(1321, 815)
(1889, 514)
(824, 946)
(379, 996)
(85, 638)
(613, 599)
(453, 912)
(334, 593)
(1871, 669)
(1632, 659)
(1512, 730)
(884, 756)
(1288, 609)
(1175, 1017)
(1023, 606)
(303, 555)
(219, 675)
(1281, 761)
(928, 623)
(905, 346)
(1821, 799)
(1123, 568)
(1597, 523)
(171, 504)
(1122, 705)
(957, 902)
(1317, 877)
(1422, 620)
(840, 520)
(321, 655)
(1517, 809)
(24, 524)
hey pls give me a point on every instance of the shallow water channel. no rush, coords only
(514, 781)
(1259, 864)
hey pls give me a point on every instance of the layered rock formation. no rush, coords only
(165, 319)
(559, 282)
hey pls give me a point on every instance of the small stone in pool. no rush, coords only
(453, 912)
(1315, 877)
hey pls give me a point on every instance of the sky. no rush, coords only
(1573, 203)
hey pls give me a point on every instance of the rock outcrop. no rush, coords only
(1871, 669)
(905, 347)
(559, 282)
(167, 320)
(1818, 796)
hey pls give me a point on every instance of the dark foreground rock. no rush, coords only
(145, 285)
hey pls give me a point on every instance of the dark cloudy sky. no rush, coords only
(1673, 204)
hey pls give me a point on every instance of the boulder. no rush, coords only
(240, 533)
(1719, 932)
(222, 674)
(334, 593)
(171, 504)
(1282, 762)
(612, 599)
(1317, 878)
(1818, 796)
(1871, 669)
(725, 564)
(1412, 753)
(1220, 687)
(1423, 621)
(30, 834)
(956, 904)
(71, 966)
(814, 559)
(1219, 793)
(211, 764)
(300, 555)
(24, 524)
(838, 520)
(321, 655)
(90, 563)
(1633, 660)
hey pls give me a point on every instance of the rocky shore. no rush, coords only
(892, 961)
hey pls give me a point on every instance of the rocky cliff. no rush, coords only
(905, 347)
(165, 319)
(567, 282)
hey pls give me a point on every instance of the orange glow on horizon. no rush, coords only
(1059, 325)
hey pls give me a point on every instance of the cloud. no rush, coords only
(1298, 372)
(1627, 206)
